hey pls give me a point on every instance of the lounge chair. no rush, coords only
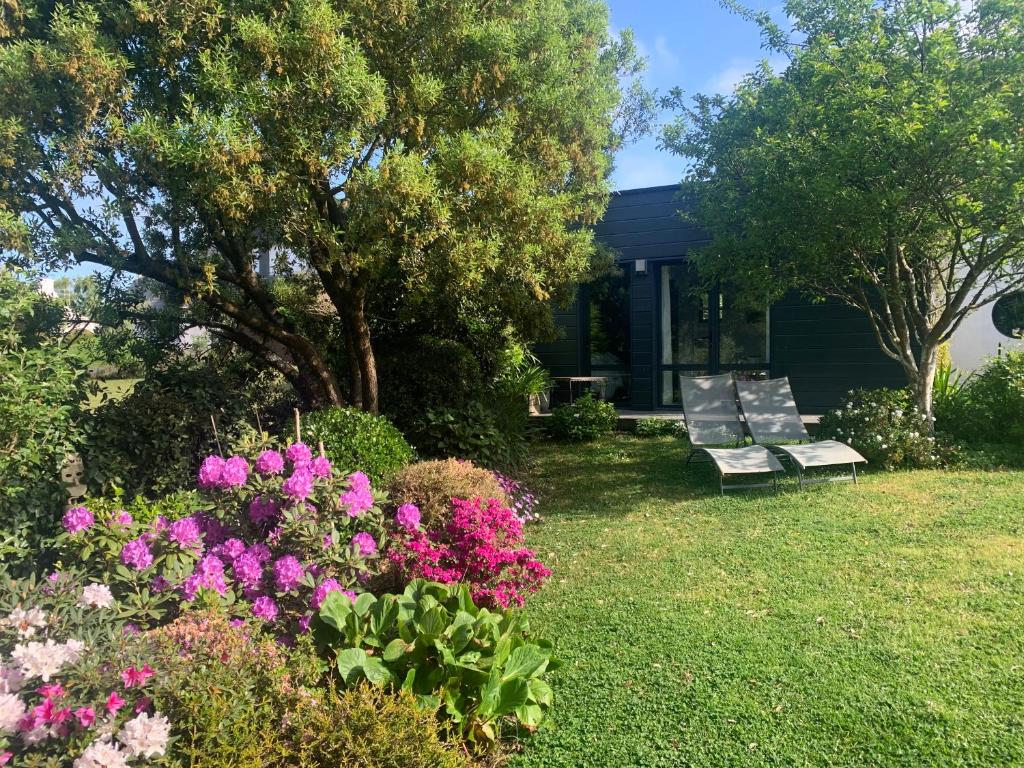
(773, 420)
(712, 419)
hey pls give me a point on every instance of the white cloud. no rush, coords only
(665, 58)
(727, 79)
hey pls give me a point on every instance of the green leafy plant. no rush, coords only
(652, 427)
(480, 666)
(586, 418)
(355, 439)
(988, 407)
(493, 435)
(885, 426)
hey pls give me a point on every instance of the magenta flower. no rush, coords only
(364, 544)
(159, 584)
(86, 716)
(209, 574)
(299, 485)
(77, 519)
(247, 569)
(359, 496)
(320, 467)
(235, 472)
(230, 549)
(211, 471)
(261, 509)
(270, 463)
(408, 516)
(260, 551)
(298, 454)
(185, 533)
(114, 703)
(288, 573)
(137, 678)
(122, 517)
(322, 591)
(136, 554)
(265, 608)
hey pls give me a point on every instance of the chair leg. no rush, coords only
(689, 458)
(853, 466)
(799, 475)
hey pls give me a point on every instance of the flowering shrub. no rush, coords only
(433, 639)
(481, 545)
(586, 418)
(59, 698)
(885, 426)
(431, 486)
(273, 534)
(520, 499)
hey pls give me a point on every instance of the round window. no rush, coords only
(1008, 315)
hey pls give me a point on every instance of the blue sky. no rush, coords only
(694, 44)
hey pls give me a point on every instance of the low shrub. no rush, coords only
(989, 406)
(521, 500)
(885, 426)
(431, 486)
(433, 641)
(274, 535)
(367, 726)
(495, 434)
(355, 440)
(652, 427)
(586, 418)
(481, 545)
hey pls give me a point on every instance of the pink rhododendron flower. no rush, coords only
(288, 573)
(136, 554)
(247, 569)
(235, 472)
(358, 499)
(265, 608)
(209, 574)
(299, 485)
(230, 549)
(364, 544)
(214, 531)
(136, 678)
(304, 622)
(186, 533)
(114, 703)
(77, 519)
(320, 467)
(262, 509)
(408, 516)
(5, 757)
(86, 716)
(122, 517)
(322, 591)
(260, 551)
(210, 472)
(298, 454)
(270, 463)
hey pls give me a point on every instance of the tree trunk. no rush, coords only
(924, 383)
(317, 386)
(359, 330)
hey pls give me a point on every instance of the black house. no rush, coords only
(648, 325)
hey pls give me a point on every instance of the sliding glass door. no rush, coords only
(704, 332)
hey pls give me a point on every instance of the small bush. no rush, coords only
(989, 406)
(657, 428)
(494, 435)
(365, 726)
(431, 486)
(354, 439)
(587, 418)
(885, 426)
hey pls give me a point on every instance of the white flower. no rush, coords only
(102, 754)
(146, 736)
(73, 650)
(36, 735)
(96, 596)
(12, 709)
(26, 622)
(11, 679)
(42, 660)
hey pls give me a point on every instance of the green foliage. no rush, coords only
(43, 388)
(431, 486)
(880, 168)
(449, 150)
(586, 418)
(428, 374)
(885, 426)
(479, 665)
(356, 440)
(520, 373)
(151, 442)
(652, 427)
(365, 726)
(495, 434)
(989, 407)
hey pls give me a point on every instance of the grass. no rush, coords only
(878, 625)
(111, 389)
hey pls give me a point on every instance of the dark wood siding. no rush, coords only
(562, 356)
(826, 349)
(642, 340)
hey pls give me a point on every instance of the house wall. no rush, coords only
(825, 348)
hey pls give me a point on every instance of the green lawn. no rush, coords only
(111, 389)
(875, 625)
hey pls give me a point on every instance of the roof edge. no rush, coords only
(640, 190)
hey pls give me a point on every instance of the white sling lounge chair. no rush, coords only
(712, 419)
(772, 418)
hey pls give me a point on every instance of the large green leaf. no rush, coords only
(354, 664)
(334, 610)
(396, 649)
(526, 661)
(511, 695)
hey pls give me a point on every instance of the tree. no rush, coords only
(884, 168)
(452, 148)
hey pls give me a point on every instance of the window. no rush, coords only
(1008, 315)
(609, 329)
